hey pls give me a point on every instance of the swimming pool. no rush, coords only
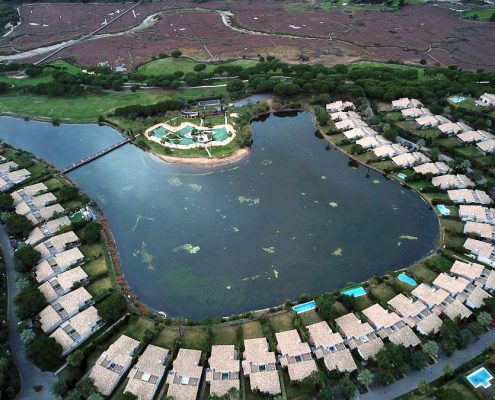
(407, 279)
(457, 99)
(300, 308)
(354, 292)
(443, 210)
(401, 175)
(481, 377)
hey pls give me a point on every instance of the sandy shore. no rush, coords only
(237, 156)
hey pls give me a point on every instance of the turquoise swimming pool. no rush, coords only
(407, 279)
(354, 292)
(443, 210)
(308, 306)
(481, 377)
(401, 175)
(457, 99)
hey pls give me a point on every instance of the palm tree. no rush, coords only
(365, 377)
(421, 143)
(27, 335)
(465, 165)
(431, 348)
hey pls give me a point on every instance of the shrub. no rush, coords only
(91, 232)
(45, 352)
(18, 225)
(26, 257)
(29, 302)
(112, 308)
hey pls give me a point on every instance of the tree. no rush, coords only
(59, 388)
(45, 352)
(26, 257)
(490, 305)
(67, 192)
(112, 308)
(314, 381)
(127, 396)
(356, 149)
(348, 387)
(235, 85)
(484, 319)
(449, 394)
(199, 67)
(322, 117)
(6, 202)
(449, 346)
(27, 335)
(22, 283)
(176, 53)
(385, 376)
(421, 143)
(326, 393)
(464, 338)
(91, 232)
(76, 358)
(95, 396)
(422, 61)
(424, 387)
(365, 377)
(419, 360)
(431, 348)
(29, 302)
(476, 329)
(448, 370)
(18, 225)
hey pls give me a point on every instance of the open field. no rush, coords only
(281, 30)
(171, 65)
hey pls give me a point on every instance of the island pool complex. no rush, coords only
(189, 136)
(354, 292)
(308, 306)
(206, 241)
(407, 279)
(480, 377)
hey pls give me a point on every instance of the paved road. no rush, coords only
(30, 375)
(435, 371)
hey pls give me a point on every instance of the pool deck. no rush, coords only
(148, 133)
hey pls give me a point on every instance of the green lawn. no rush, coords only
(99, 287)
(53, 184)
(481, 14)
(383, 292)
(309, 317)
(137, 326)
(194, 338)
(166, 337)
(450, 142)
(422, 273)
(282, 322)
(170, 65)
(92, 250)
(89, 107)
(452, 225)
(469, 151)
(225, 334)
(95, 268)
(252, 330)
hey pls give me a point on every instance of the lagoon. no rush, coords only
(294, 217)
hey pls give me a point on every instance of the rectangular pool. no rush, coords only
(481, 377)
(443, 210)
(354, 292)
(300, 308)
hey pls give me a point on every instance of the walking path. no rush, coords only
(30, 375)
(432, 372)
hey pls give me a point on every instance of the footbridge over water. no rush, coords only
(93, 157)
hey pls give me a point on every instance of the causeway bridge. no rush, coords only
(93, 157)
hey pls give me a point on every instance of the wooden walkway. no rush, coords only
(93, 157)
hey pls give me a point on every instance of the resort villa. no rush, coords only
(452, 182)
(360, 132)
(295, 355)
(453, 128)
(339, 105)
(188, 135)
(469, 196)
(343, 115)
(260, 366)
(47, 230)
(76, 330)
(389, 150)
(147, 374)
(113, 364)
(359, 335)
(28, 192)
(486, 100)
(484, 231)
(475, 136)
(350, 123)
(481, 251)
(430, 121)
(415, 112)
(370, 142)
(57, 244)
(184, 378)
(407, 160)
(434, 168)
(390, 325)
(477, 214)
(470, 271)
(487, 146)
(330, 347)
(54, 265)
(224, 371)
(64, 308)
(404, 102)
(450, 284)
(416, 314)
(63, 283)
(45, 213)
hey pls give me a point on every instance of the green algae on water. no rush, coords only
(188, 248)
(407, 237)
(174, 181)
(269, 250)
(333, 204)
(338, 252)
(250, 202)
(195, 187)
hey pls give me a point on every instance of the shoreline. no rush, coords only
(235, 157)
